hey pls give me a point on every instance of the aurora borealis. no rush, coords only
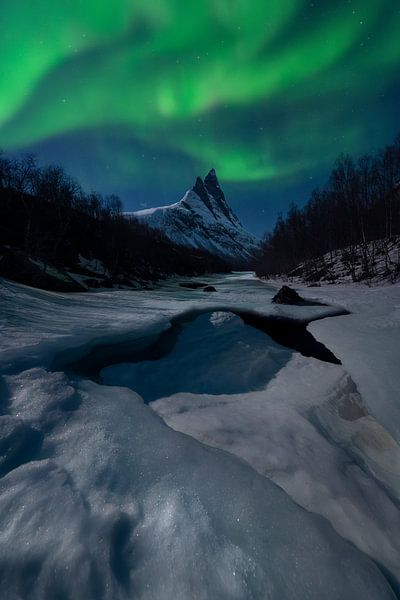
(139, 97)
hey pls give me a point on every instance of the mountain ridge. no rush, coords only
(203, 219)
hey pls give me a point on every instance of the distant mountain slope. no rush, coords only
(203, 220)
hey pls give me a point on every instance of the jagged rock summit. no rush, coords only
(203, 219)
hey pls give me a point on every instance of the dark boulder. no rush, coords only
(92, 283)
(107, 283)
(209, 288)
(192, 285)
(125, 282)
(287, 295)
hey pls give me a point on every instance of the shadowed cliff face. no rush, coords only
(213, 187)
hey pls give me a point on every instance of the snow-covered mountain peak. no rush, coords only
(203, 219)
(213, 187)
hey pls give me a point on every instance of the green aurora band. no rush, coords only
(259, 89)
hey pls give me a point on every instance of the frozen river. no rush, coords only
(174, 443)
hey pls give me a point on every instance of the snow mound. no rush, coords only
(117, 505)
(309, 432)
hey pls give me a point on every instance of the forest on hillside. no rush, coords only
(359, 205)
(47, 215)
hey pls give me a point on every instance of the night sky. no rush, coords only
(137, 97)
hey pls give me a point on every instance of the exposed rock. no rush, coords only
(125, 282)
(107, 283)
(200, 189)
(212, 184)
(21, 267)
(92, 283)
(192, 285)
(287, 295)
(209, 288)
(213, 187)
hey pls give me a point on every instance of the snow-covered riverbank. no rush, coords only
(100, 498)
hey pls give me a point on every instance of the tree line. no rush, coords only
(45, 213)
(359, 204)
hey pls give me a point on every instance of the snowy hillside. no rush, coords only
(374, 262)
(215, 463)
(203, 219)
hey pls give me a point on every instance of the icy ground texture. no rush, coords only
(309, 432)
(117, 505)
(99, 498)
(306, 428)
